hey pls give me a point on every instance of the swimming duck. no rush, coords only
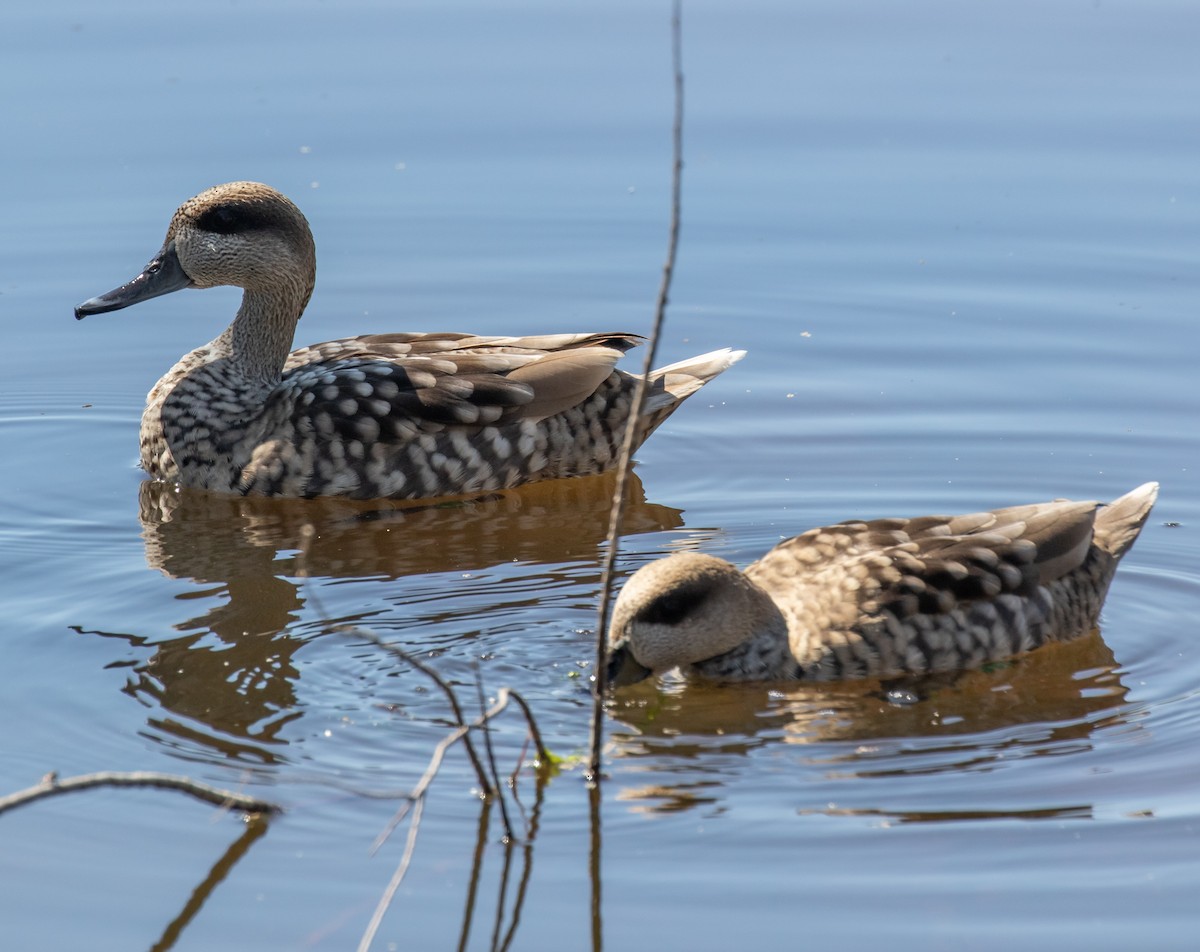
(400, 415)
(883, 598)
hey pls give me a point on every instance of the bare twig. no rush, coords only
(512, 777)
(397, 878)
(600, 679)
(594, 866)
(435, 763)
(522, 884)
(484, 783)
(544, 757)
(255, 828)
(416, 805)
(52, 786)
(476, 872)
(502, 893)
(491, 755)
(527, 869)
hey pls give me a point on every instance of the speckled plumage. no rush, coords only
(882, 598)
(400, 415)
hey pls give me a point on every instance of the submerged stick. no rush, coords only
(616, 515)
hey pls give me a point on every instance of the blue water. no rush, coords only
(958, 242)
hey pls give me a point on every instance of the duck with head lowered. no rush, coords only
(409, 416)
(879, 599)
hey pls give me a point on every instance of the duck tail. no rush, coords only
(671, 385)
(674, 383)
(1118, 524)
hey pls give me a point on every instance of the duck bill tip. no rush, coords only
(623, 668)
(163, 275)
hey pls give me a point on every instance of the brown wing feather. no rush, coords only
(392, 386)
(565, 379)
(934, 564)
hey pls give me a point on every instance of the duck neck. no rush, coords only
(765, 654)
(258, 341)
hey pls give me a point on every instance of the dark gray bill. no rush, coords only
(624, 669)
(161, 276)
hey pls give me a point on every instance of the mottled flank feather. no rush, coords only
(882, 598)
(400, 415)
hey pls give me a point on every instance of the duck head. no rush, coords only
(696, 613)
(244, 234)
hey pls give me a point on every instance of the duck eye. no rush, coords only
(674, 606)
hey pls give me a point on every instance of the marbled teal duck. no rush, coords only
(883, 598)
(401, 415)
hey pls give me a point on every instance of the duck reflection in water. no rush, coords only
(228, 682)
(701, 737)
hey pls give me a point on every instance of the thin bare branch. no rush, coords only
(544, 756)
(254, 828)
(416, 804)
(52, 786)
(527, 869)
(484, 783)
(481, 840)
(502, 893)
(600, 678)
(491, 754)
(435, 763)
(594, 842)
(512, 777)
(397, 878)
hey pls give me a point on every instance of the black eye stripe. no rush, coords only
(231, 218)
(674, 606)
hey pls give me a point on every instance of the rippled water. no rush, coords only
(959, 245)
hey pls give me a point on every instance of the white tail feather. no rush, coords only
(675, 382)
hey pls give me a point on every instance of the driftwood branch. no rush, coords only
(600, 678)
(52, 786)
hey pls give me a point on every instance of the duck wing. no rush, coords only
(394, 386)
(928, 565)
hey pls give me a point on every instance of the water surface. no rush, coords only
(959, 245)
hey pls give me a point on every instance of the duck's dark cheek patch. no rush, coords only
(674, 606)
